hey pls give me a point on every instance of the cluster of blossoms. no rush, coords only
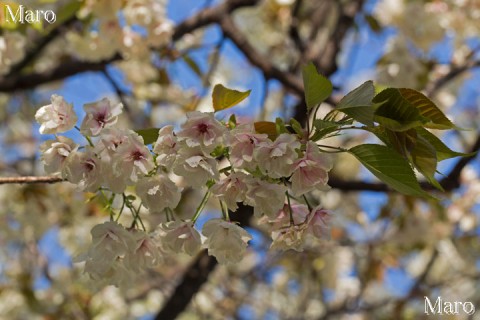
(114, 35)
(233, 163)
(12, 46)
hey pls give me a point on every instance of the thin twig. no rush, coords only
(30, 179)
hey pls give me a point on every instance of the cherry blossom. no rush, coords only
(84, 169)
(179, 236)
(110, 241)
(158, 192)
(266, 198)
(202, 130)
(145, 253)
(110, 139)
(243, 142)
(232, 189)
(300, 214)
(291, 237)
(99, 115)
(195, 167)
(12, 45)
(55, 153)
(166, 147)
(225, 240)
(56, 117)
(311, 171)
(276, 158)
(132, 158)
(319, 223)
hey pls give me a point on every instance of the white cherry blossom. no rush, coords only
(300, 214)
(225, 240)
(144, 254)
(179, 236)
(110, 241)
(291, 237)
(132, 158)
(195, 167)
(99, 115)
(266, 198)
(158, 192)
(56, 117)
(110, 139)
(202, 130)
(55, 152)
(319, 223)
(276, 158)
(84, 169)
(12, 50)
(311, 171)
(166, 147)
(243, 142)
(231, 189)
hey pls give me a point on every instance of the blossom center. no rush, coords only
(202, 128)
(89, 165)
(100, 118)
(137, 155)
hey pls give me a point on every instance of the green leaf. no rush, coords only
(232, 121)
(373, 23)
(280, 126)
(317, 87)
(297, 127)
(403, 142)
(149, 135)
(396, 113)
(323, 128)
(224, 98)
(427, 109)
(193, 65)
(443, 152)
(267, 127)
(424, 157)
(360, 96)
(358, 104)
(388, 166)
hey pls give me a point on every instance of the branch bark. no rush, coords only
(197, 274)
(29, 180)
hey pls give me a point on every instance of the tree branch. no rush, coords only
(28, 180)
(32, 54)
(197, 274)
(290, 81)
(193, 279)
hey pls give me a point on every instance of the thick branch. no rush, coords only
(193, 279)
(33, 53)
(63, 71)
(209, 16)
(197, 274)
(327, 62)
